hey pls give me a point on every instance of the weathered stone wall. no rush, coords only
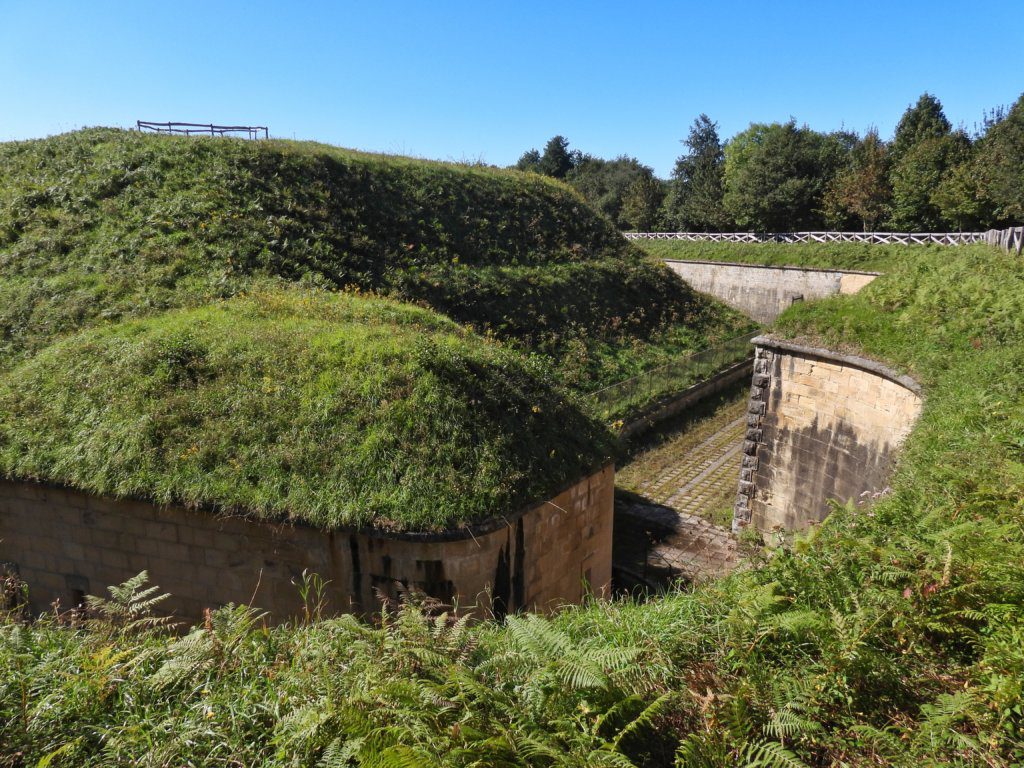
(764, 292)
(820, 426)
(66, 544)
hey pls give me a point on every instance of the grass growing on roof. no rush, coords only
(326, 408)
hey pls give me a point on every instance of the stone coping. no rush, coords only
(772, 266)
(865, 364)
(482, 528)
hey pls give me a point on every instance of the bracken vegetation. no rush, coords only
(892, 634)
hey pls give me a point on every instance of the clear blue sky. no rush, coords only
(488, 80)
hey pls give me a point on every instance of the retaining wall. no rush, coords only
(66, 544)
(764, 292)
(821, 426)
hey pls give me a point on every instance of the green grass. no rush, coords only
(326, 408)
(853, 256)
(891, 635)
(101, 225)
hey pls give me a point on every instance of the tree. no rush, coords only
(925, 120)
(557, 160)
(961, 197)
(916, 178)
(698, 182)
(605, 183)
(776, 176)
(529, 161)
(861, 191)
(1001, 166)
(641, 203)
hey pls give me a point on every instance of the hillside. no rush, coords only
(892, 635)
(297, 405)
(101, 224)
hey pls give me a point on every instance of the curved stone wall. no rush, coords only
(66, 544)
(821, 426)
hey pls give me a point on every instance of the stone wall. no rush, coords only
(821, 426)
(764, 292)
(66, 544)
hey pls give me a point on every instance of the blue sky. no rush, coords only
(488, 80)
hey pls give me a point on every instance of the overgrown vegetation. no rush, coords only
(327, 408)
(893, 634)
(100, 225)
(854, 256)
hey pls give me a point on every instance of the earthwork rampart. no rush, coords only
(820, 426)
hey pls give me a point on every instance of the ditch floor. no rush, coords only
(674, 496)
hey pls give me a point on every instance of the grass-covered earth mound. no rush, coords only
(893, 634)
(327, 408)
(853, 256)
(100, 225)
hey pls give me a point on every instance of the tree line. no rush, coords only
(775, 177)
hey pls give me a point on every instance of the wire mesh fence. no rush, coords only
(629, 396)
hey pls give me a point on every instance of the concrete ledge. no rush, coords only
(863, 363)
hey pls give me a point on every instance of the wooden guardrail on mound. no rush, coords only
(204, 129)
(1011, 239)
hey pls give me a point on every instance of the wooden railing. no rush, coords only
(1011, 239)
(206, 129)
(885, 238)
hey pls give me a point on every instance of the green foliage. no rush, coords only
(100, 225)
(916, 177)
(641, 203)
(328, 408)
(889, 635)
(698, 182)
(776, 176)
(920, 122)
(855, 256)
(861, 191)
(605, 184)
(999, 164)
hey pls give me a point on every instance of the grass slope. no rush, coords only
(853, 256)
(327, 408)
(892, 635)
(101, 224)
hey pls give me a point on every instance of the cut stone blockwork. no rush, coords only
(820, 426)
(66, 544)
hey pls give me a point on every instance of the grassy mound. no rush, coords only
(328, 408)
(103, 224)
(891, 635)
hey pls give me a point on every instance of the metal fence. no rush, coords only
(205, 129)
(631, 395)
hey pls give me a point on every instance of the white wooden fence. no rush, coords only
(1009, 239)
